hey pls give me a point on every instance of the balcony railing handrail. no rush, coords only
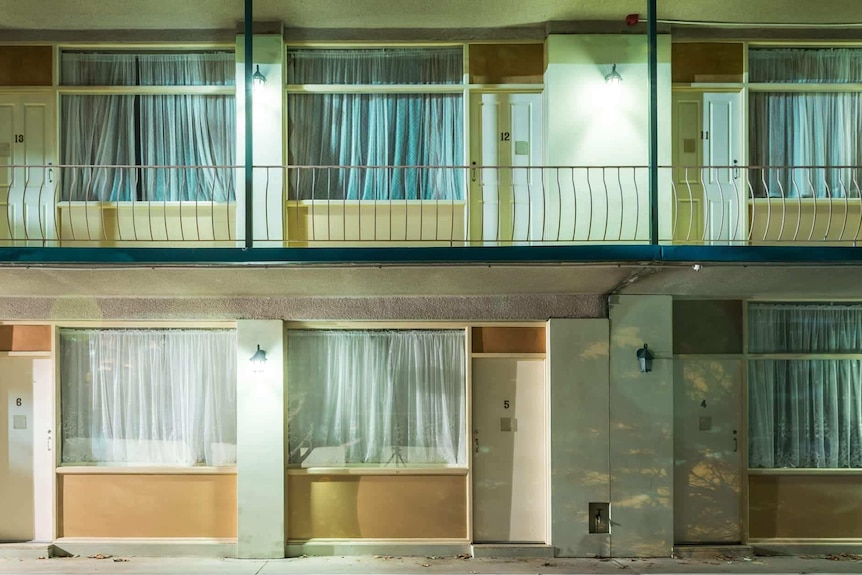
(346, 205)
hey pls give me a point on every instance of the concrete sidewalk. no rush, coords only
(436, 565)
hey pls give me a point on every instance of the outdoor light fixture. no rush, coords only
(258, 80)
(614, 78)
(258, 360)
(645, 358)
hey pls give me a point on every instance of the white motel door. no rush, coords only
(16, 450)
(27, 194)
(724, 186)
(507, 201)
(708, 444)
(509, 455)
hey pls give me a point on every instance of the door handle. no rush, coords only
(735, 169)
(49, 440)
(50, 173)
(473, 172)
(476, 445)
(735, 442)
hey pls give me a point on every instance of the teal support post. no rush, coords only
(652, 57)
(249, 159)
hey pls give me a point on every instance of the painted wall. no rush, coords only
(151, 505)
(267, 146)
(591, 123)
(260, 449)
(580, 466)
(641, 427)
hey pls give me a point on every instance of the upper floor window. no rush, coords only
(165, 143)
(807, 136)
(377, 124)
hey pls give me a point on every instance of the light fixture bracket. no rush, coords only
(614, 77)
(258, 80)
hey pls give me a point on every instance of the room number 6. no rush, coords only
(18, 402)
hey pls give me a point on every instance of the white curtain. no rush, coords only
(413, 139)
(808, 139)
(805, 412)
(148, 130)
(148, 397)
(376, 397)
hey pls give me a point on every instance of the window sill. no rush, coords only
(377, 471)
(812, 471)
(143, 470)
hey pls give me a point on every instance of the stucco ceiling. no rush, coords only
(224, 14)
(716, 281)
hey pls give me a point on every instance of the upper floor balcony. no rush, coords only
(442, 213)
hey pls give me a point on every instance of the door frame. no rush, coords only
(546, 432)
(473, 130)
(45, 422)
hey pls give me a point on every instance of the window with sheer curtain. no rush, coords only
(103, 133)
(809, 136)
(805, 411)
(376, 397)
(393, 115)
(148, 396)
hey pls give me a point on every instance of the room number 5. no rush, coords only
(506, 404)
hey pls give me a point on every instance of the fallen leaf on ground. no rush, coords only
(120, 560)
(99, 556)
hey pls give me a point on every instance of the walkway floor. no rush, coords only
(430, 565)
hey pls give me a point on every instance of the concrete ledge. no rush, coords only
(372, 548)
(713, 551)
(807, 548)
(506, 550)
(25, 550)
(83, 547)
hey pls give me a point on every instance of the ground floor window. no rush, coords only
(805, 411)
(376, 397)
(148, 396)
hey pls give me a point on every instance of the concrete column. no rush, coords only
(641, 427)
(268, 52)
(578, 357)
(260, 441)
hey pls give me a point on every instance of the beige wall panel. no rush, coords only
(707, 326)
(25, 338)
(25, 65)
(819, 222)
(419, 223)
(104, 505)
(377, 507)
(508, 340)
(805, 506)
(507, 63)
(706, 62)
(147, 224)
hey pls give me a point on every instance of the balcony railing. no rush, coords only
(317, 206)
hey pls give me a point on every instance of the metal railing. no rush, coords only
(311, 206)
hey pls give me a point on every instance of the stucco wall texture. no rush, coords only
(405, 308)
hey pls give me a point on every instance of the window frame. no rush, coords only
(62, 90)
(129, 468)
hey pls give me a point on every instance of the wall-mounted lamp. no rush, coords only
(258, 360)
(645, 358)
(614, 78)
(258, 80)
